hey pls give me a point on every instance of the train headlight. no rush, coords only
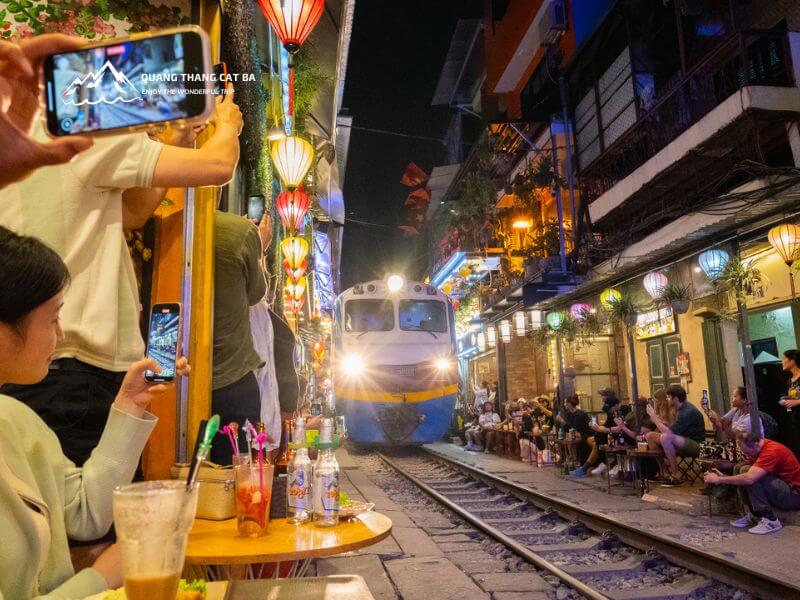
(395, 283)
(442, 364)
(353, 365)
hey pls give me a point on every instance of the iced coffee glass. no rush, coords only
(152, 520)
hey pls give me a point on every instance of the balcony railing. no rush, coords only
(750, 58)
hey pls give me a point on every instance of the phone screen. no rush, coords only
(220, 75)
(255, 208)
(162, 340)
(132, 83)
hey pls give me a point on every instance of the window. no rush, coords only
(369, 315)
(423, 315)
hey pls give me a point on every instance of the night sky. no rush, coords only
(396, 54)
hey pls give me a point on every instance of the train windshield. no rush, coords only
(368, 315)
(423, 315)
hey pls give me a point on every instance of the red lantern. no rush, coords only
(456, 304)
(292, 207)
(293, 21)
(295, 274)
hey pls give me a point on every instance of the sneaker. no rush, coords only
(766, 526)
(468, 448)
(746, 521)
(614, 472)
(579, 472)
(599, 469)
(671, 482)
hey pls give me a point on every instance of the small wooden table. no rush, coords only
(568, 449)
(616, 452)
(220, 553)
(638, 457)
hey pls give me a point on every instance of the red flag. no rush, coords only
(414, 176)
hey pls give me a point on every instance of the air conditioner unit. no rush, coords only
(554, 22)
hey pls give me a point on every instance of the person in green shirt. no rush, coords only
(44, 498)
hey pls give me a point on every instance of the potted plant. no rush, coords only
(677, 296)
(623, 310)
(740, 277)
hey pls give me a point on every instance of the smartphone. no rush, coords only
(162, 340)
(220, 78)
(255, 208)
(594, 420)
(129, 84)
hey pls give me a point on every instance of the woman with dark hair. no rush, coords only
(790, 401)
(44, 498)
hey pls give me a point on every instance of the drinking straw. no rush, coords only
(234, 427)
(248, 436)
(260, 439)
(227, 431)
(202, 451)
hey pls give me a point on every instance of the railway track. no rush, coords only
(597, 556)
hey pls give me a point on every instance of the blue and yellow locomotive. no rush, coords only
(395, 377)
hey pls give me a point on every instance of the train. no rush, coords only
(395, 374)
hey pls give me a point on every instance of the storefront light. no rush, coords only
(491, 336)
(519, 323)
(537, 318)
(481, 341)
(785, 239)
(505, 331)
(655, 283)
(713, 262)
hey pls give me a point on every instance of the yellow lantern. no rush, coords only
(447, 288)
(297, 290)
(292, 157)
(785, 239)
(609, 297)
(465, 271)
(295, 250)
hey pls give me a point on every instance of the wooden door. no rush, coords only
(662, 361)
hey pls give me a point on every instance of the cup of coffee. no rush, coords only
(152, 521)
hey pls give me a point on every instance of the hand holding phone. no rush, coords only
(129, 84)
(137, 392)
(20, 74)
(162, 341)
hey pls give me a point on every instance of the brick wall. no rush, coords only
(522, 375)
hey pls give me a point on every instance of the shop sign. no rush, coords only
(655, 323)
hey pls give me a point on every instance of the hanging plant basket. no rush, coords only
(679, 307)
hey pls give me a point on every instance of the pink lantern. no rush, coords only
(579, 311)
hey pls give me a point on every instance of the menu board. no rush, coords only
(655, 323)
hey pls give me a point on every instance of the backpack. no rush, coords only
(769, 424)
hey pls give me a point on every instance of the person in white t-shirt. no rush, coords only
(481, 395)
(485, 430)
(736, 421)
(80, 209)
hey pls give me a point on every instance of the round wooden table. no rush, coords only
(216, 551)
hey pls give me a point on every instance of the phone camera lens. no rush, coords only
(66, 124)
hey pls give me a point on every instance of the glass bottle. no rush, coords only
(298, 471)
(325, 489)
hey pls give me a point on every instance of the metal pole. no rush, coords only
(562, 246)
(186, 308)
(564, 92)
(634, 376)
(747, 352)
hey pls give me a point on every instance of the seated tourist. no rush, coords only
(593, 464)
(529, 431)
(44, 498)
(737, 420)
(484, 432)
(543, 407)
(683, 438)
(574, 419)
(773, 482)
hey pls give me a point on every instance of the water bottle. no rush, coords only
(325, 489)
(298, 471)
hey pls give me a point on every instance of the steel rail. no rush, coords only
(498, 535)
(693, 559)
